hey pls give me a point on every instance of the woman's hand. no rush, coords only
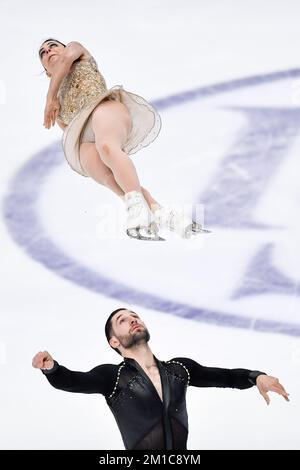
(51, 112)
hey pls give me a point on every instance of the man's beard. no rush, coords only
(135, 338)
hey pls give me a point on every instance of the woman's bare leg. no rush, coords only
(93, 165)
(111, 124)
(152, 203)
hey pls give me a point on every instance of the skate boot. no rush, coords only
(140, 223)
(168, 218)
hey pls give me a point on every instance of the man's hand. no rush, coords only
(51, 112)
(43, 360)
(266, 383)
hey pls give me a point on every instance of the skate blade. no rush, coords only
(202, 230)
(194, 230)
(197, 228)
(138, 235)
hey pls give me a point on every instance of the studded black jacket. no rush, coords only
(145, 421)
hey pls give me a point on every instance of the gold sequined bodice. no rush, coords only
(82, 85)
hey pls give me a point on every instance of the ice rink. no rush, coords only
(225, 78)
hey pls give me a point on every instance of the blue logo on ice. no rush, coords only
(243, 178)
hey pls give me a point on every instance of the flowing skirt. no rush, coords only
(146, 125)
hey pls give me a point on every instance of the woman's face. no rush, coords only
(48, 52)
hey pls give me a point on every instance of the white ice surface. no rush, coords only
(154, 49)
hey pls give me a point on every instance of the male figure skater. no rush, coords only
(146, 395)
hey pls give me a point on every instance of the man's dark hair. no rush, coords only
(109, 329)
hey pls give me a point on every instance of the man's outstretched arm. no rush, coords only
(101, 379)
(202, 376)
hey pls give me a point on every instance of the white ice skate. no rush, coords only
(140, 223)
(168, 218)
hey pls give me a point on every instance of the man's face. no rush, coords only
(128, 329)
(49, 52)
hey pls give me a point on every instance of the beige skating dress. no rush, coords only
(80, 92)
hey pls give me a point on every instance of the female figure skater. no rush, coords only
(102, 127)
